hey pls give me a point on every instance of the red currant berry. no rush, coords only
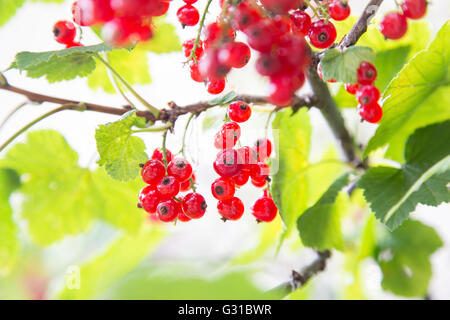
(263, 147)
(168, 187)
(281, 6)
(211, 67)
(259, 183)
(351, 88)
(322, 34)
(414, 9)
(245, 16)
(371, 113)
(180, 169)
(262, 35)
(133, 8)
(239, 111)
(281, 90)
(264, 209)
(145, 190)
(223, 189)
(227, 164)
(182, 217)
(301, 21)
(195, 72)
(268, 64)
(186, 185)
(214, 32)
(241, 178)
(247, 157)
(215, 86)
(153, 171)
(235, 54)
(149, 199)
(260, 171)
(159, 155)
(394, 25)
(367, 94)
(89, 12)
(188, 15)
(190, 1)
(168, 210)
(189, 45)
(339, 10)
(228, 136)
(64, 32)
(162, 8)
(366, 73)
(194, 205)
(73, 44)
(231, 209)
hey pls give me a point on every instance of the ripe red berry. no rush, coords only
(149, 199)
(231, 209)
(182, 217)
(73, 44)
(188, 45)
(89, 12)
(158, 155)
(260, 171)
(227, 137)
(223, 189)
(235, 54)
(281, 6)
(245, 16)
(64, 32)
(263, 147)
(190, 1)
(168, 187)
(153, 171)
(268, 64)
(133, 8)
(145, 190)
(367, 94)
(247, 157)
(262, 35)
(188, 15)
(125, 31)
(352, 88)
(264, 209)
(322, 34)
(414, 9)
(366, 73)
(339, 10)
(162, 8)
(239, 111)
(283, 87)
(259, 183)
(301, 21)
(215, 86)
(227, 164)
(168, 210)
(371, 113)
(186, 185)
(180, 169)
(194, 205)
(195, 72)
(211, 67)
(394, 25)
(241, 178)
(215, 32)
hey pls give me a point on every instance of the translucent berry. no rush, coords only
(194, 205)
(235, 54)
(182, 217)
(262, 35)
(322, 34)
(241, 178)
(264, 209)
(245, 15)
(352, 88)
(215, 86)
(158, 155)
(227, 164)
(367, 94)
(186, 185)
(366, 73)
(281, 6)
(259, 183)
(414, 9)
(301, 21)
(149, 199)
(188, 45)
(227, 137)
(215, 32)
(371, 113)
(162, 8)
(211, 67)
(223, 189)
(247, 157)
(239, 111)
(64, 32)
(268, 64)
(231, 209)
(168, 187)
(339, 10)
(168, 210)
(188, 15)
(394, 25)
(153, 171)
(263, 147)
(195, 72)
(179, 168)
(260, 171)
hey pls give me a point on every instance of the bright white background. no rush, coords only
(207, 240)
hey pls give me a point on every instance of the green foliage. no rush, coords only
(9, 244)
(342, 66)
(404, 258)
(59, 65)
(122, 256)
(60, 197)
(224, 99)
(8, 8)
(393, 193)
(120, 152)
(320, 225)
(418, 96)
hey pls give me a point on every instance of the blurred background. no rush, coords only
(201, 249)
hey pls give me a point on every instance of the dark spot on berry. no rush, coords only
(369, 74)
(322, 37)
(180, 164)
(56, 31)
(139, 206)
(243, 107)
(203, 206)
(365, 100)
(224, 219)
(166, 181)
(141, 165)
(164, 210)
(219, 190)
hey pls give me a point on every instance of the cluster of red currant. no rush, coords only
(395, 24)
(166, 177)
(188, 15)
(124, 22)
(237, 166)
(366, 93)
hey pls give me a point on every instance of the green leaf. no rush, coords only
(59, 65)
(9, 244)
(8, 9)
(418, 96)
(60, 197)
(320, 225)
(342, 66)
(122, 256)
(393, 193)
(120, 152)
(404, 258)
(227, 98)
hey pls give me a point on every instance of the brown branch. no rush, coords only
(300, 279)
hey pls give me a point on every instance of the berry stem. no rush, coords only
(154, 129)
(150, 108)
(164, 149)
(10, 114)
(182, 151)
(199, 32)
